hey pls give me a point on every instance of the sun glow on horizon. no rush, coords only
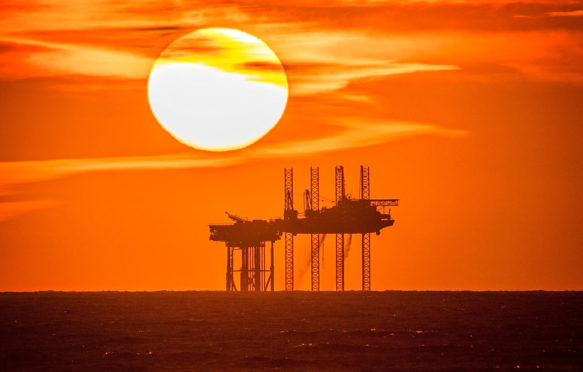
(218, 89)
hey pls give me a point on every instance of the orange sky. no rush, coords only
(469, 112)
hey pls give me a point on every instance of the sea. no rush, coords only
(200, 330)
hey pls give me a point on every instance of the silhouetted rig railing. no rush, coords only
(249, 238)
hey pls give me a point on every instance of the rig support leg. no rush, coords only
(272, 278)
(229, 282)
(244, 269)
(340, 262)
(315, 238)
(289, 262)
(315, 261)
(257, 269)
(340, 196)
(366, 262)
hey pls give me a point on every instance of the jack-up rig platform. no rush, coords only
(249, 238)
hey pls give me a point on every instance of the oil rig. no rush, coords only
(249, 240)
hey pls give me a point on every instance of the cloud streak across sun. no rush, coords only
(227, 50)
(119, 34)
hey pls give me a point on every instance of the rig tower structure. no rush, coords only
(348, 216)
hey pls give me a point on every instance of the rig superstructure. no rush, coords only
(348, 216)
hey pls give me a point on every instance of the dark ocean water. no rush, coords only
(299, 331)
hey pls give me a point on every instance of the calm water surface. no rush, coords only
(298, 331)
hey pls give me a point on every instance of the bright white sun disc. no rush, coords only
(218, 89)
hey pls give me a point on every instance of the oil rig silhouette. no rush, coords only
(248, 238)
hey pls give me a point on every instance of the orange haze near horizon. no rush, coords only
(470, 112)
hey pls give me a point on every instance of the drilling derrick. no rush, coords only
(289, 214)
(315, 238)
(340, 196)
(365, 195)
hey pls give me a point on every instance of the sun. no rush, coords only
(218, 89)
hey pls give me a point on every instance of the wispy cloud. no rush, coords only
(351, 135)
(19, 172)
(337, 77)
(321, 66)
(356, 136)
(57, 59)
(107, 38)
(10, 210)
(570, 13)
